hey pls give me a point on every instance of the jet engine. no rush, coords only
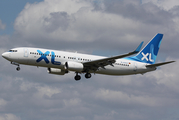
(74, 66)
(56, 71)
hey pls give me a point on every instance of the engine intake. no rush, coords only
(74, 66)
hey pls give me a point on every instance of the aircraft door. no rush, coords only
(75, 58)
(26, 52)
(135, 66)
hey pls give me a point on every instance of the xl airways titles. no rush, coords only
(60, 62)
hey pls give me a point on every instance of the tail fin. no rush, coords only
(149, 53)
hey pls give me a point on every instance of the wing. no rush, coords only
(95, 64)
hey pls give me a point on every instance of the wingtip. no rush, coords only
(172, 61)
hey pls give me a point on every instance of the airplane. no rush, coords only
(62, 62)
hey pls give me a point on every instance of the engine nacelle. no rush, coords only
(56, 71)
(74, 66)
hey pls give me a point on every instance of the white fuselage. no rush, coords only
(57, 59)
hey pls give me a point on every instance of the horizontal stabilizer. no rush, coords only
(159, 64)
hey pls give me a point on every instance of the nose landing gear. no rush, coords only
(18, 68)
(17, 64)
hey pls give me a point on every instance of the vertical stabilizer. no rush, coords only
(149, 53)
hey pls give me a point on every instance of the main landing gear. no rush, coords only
(17, 64)
(78, 77)
(88, 75)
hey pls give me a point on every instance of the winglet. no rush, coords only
(138, 48)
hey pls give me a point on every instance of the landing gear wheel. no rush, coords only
(87, 75)
(77, 77)
(18, 68)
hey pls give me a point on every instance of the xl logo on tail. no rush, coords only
(145, 56)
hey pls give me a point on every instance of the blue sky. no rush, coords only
(9, 10)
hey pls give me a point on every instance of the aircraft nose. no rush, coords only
(5, 55)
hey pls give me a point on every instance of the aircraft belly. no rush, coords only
(116, 70)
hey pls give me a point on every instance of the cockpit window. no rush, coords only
(12, 50)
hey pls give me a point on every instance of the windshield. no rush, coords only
(12, 50)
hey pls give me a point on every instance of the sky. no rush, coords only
(99, 27)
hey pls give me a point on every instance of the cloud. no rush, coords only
(57, 20)
(113, 23)
(9, 117)
(110, 97)
(165, 4)
(146, 13)
(91, 26)
(5, 40)
(2, 26)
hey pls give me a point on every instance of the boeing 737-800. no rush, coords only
(60, 62)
